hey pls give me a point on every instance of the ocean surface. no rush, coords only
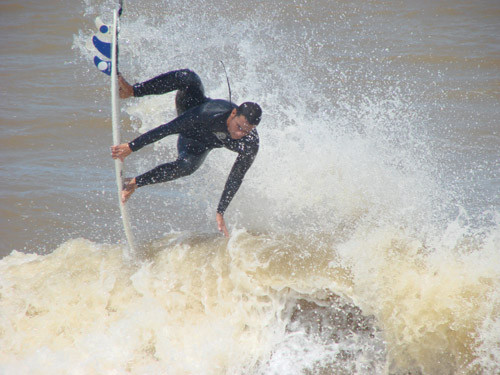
(365, 238)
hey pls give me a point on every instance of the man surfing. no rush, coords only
(202, 125)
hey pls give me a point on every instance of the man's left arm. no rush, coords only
(240, 167)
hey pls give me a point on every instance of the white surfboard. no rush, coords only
(115, 119)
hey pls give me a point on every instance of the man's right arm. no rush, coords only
(178, 125)
(120, 151)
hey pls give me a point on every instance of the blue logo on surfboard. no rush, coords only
(103, 47)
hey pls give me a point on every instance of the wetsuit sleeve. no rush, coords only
(240, 167)
(171, 81)
(176, 126)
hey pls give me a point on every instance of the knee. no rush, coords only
(189, 78)
(186, 166)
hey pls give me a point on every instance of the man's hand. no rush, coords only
(124, 88)
(120, 151)
(221, 224)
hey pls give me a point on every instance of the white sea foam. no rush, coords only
(359, 254)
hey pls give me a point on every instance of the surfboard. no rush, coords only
(102, 47)
(109, 50)
(102, 43)
(115, 120)
(103, 65)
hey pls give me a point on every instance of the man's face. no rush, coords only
(238, 126)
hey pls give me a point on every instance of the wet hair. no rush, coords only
(251, 111)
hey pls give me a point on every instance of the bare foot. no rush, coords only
(125, 89)
(129, 186)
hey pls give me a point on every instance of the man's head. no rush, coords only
(243, 120)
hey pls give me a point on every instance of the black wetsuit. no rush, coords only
(201, 125)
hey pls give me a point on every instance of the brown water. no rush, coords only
(366, 236)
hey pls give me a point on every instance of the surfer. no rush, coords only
(202, 125)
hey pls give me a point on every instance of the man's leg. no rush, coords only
(192, 95)
(191, 156)
(190, 91)
(183, 166)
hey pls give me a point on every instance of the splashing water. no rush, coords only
(353, 250)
